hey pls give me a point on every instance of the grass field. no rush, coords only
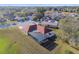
(13, 41)
(6, 44)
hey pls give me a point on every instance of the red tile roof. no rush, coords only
(32, 27)
(42, 29)
(29, 28)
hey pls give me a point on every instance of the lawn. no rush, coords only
(4, 42)
(12, 41)
(5, 45)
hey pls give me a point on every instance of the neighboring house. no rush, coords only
(29, 17)
(19, 19)
(46, 18)
(73, 14)
(50, 23)
(34, 15)
(9, 16)
(54, 15)
(3, 23)
(12, 18)
(48, 13)
(2, 20)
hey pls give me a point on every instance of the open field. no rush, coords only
(19, 42)
(12, 40)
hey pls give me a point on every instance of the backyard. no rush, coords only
(12, 40)
(6, 45)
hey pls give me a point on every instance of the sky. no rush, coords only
(39, 4)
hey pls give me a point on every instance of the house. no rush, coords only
(18, 18)
(28, 26)
(45, 18)
(48, 13)
(50, 23)
(9, 16)
(2, 20)
(3, 23)
(73, 14)
(54, 15)
(29, 17)
(42, 34)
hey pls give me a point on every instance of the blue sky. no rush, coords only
(39, 4)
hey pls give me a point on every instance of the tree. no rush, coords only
(70, 26)
(41, 10)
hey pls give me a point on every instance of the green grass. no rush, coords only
(6, 45)
(4, 42)
(13, 49)
(13, 41)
